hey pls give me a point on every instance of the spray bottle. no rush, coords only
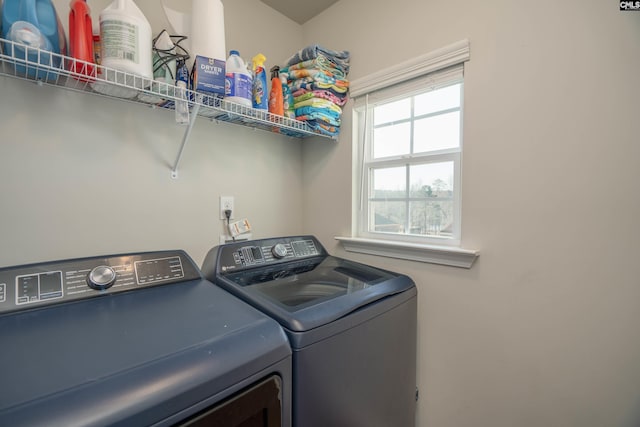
(276, 105)
(182, 104)
(259, 92)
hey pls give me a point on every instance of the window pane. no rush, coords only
(437, 132)
(432, 180)
(391, 140)
(387, 217)
(438, 100)
(431, 218)
(389, 183)
(392, 112)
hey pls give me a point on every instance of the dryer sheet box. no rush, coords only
(208, 76)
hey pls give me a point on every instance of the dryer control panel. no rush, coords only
(36, 285)
(237, 256)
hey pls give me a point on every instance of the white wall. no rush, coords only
(82, 175)
(543, 330)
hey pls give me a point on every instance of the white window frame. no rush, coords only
(362, 122)
(437, 69)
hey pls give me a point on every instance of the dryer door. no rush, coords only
(258, 406)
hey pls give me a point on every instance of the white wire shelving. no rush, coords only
(47, 68)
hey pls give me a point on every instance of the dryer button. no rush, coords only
(279, 251)
(101, 277)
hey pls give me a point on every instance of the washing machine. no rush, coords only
(352, 328)
(136, 340)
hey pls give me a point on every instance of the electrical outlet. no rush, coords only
(226, 202)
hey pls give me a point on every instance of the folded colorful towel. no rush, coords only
(318, 103)
(287, 96)
(323, 128)
(318, 76)
(341, 58)
(298, 84)
(321, 114)
(322, 63)
(311, 72)
(303, 95)
(319, 118)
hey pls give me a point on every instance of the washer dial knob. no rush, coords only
(101, 277)
(279, 251)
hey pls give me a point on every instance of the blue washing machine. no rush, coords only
(136, 340)
(351, 326)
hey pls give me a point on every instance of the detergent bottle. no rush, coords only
(33, 25)
(125, 36)
(276, 102)
(238, 81)
(81, 38)
(259, 98)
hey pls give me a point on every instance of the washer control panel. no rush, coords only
(235, 256)
(37, 285)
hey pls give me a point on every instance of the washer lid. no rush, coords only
(305, 294)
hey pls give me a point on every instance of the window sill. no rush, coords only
(445, 255)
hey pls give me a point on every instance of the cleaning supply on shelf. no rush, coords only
(97, 46)
(208, 76)
(259, 92)
(81, 39)
(238, 81)
(125, 35)
(44, 32)
(182, 104)
(276, 102)
(207, 29)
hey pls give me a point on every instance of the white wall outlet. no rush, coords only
(226, 202)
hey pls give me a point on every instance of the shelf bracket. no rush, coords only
(185, 138)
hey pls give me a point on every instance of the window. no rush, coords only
(411, 171)
(408, 144)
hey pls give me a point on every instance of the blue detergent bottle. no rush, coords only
(35, 25)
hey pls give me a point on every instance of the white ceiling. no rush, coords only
(299, 10)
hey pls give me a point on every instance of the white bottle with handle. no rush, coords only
(125, 37)
(238, 81)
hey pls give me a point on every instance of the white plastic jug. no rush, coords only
(126, 38)
(238, 81)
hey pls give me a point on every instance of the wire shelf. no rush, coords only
(47, 68)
